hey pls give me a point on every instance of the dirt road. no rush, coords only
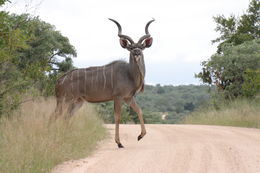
(174, 149)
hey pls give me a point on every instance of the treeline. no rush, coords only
(162, 104)
(32, 54)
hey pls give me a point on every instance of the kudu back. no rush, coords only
(119, 81)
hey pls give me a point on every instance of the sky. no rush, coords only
(182, 31)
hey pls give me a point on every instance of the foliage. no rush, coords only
(251, 85)
(46, 45)
(29, 51)
(238, 51)
(235, 31)
(2, 2)
(227, 70)
(11, 80)
(175, 102)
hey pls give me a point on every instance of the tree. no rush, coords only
(189, 106)
(160, 89)
(227, 70)
(235, 31)
(12, 82)
(41, 61)
(29, 57)
(238, 51)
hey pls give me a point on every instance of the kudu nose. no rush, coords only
(136, 52)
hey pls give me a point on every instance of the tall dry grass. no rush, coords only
(30, 144)
(242, 113)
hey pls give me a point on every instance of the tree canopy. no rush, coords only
(236, 30)
(32, 54)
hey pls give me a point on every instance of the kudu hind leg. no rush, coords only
(117, 112)
(57, 113)
(58, 110)
(139, 112)
(73, 107)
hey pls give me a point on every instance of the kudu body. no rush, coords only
(118, 81)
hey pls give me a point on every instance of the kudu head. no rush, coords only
(136, 49)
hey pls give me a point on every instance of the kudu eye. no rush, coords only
(124, 43)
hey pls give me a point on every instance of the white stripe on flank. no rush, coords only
(112, 76)
(64, 79)
(104, 75)
(97, 78)
(92, 78)
(85, 82)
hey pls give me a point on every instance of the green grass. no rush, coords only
(241, 113)
(29, 144)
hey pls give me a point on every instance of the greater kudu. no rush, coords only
(118, 81)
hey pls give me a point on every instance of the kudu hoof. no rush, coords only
(139, 137)
(120, 145)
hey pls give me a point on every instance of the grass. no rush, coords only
(241, 113)
(29, 144)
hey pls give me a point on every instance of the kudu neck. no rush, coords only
(137, 69)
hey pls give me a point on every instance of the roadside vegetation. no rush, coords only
(29, 143)
(241, 113)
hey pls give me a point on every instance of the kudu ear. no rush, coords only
(124, 43)
(148, 42)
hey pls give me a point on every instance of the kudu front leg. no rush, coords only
(139, 112)
(117, 112)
